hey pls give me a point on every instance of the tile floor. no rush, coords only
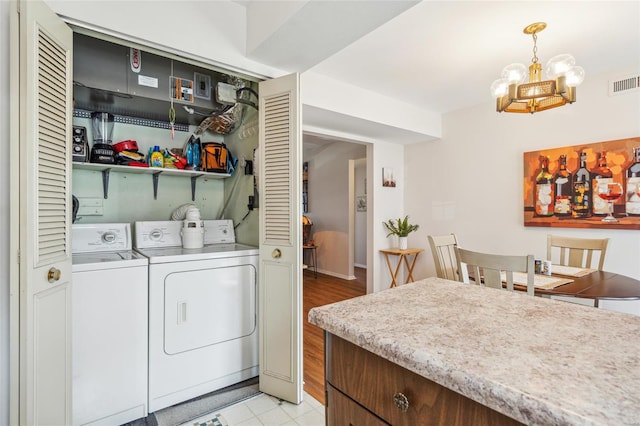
(265, 410)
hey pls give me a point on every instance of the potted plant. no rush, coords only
(402, 228)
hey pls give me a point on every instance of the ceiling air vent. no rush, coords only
(624, 85)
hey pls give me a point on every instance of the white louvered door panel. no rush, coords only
(45, 51)
(280, 295)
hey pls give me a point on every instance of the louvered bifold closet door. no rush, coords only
(280, 284)
(46, 84)
(277, 175)
(52, 181)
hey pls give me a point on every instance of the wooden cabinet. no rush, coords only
(342, 410)
(365, 389)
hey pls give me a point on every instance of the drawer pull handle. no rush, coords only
(401, 401)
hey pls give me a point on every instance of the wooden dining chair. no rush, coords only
(489, 267)
(577, 252)
(444, 255)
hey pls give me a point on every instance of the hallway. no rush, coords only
(320, 291)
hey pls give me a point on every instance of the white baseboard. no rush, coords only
(334, 274)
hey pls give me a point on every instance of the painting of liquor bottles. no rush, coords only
(594, 185)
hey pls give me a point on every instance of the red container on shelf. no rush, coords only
(127, 145)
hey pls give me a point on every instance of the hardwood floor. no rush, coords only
(317, 292)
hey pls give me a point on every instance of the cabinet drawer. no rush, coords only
(373, 381)
(342, 410)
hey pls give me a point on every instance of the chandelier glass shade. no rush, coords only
(513, 93)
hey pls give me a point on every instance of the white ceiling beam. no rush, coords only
(294, 36)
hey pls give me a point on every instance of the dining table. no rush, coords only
(584, 283)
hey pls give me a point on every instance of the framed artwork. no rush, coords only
(388, 179)
(361, 203)
(594, 185)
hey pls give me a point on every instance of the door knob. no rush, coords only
(53, 275)
(276, 254)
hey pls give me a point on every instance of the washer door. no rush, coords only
(209, 306)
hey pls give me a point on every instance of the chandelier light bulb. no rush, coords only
(575, 76)
(499, 88)
(559, 65)
(514, 73)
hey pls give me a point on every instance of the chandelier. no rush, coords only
(514, 95)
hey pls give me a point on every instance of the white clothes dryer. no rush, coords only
(203, 332)
(108, 326)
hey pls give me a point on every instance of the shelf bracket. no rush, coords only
(193, 186)
(156, 176)
(105, 183)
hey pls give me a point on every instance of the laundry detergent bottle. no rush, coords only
(156, 159)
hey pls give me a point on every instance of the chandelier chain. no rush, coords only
(535, 49)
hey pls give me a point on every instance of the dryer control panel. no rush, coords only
(219, 231)
(166, 233)
(161, 233)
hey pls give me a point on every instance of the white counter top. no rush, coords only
(536, 360)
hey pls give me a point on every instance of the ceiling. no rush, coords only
(444, 55)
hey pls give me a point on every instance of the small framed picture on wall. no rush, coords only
(388, 178)
(361, 203)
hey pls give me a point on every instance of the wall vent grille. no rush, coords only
(626, 84)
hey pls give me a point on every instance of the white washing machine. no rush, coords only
(203, 331)
(109, 326)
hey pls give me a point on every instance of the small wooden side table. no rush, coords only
(403, 256)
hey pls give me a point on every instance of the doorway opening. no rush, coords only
(336, 203)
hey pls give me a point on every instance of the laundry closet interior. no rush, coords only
(193, 221)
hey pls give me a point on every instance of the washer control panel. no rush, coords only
(96, 237)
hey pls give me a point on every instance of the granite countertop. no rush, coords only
(537, 360)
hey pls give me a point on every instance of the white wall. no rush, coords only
(329, 206)
(384, 203)
(4, 214)
(471, 181)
